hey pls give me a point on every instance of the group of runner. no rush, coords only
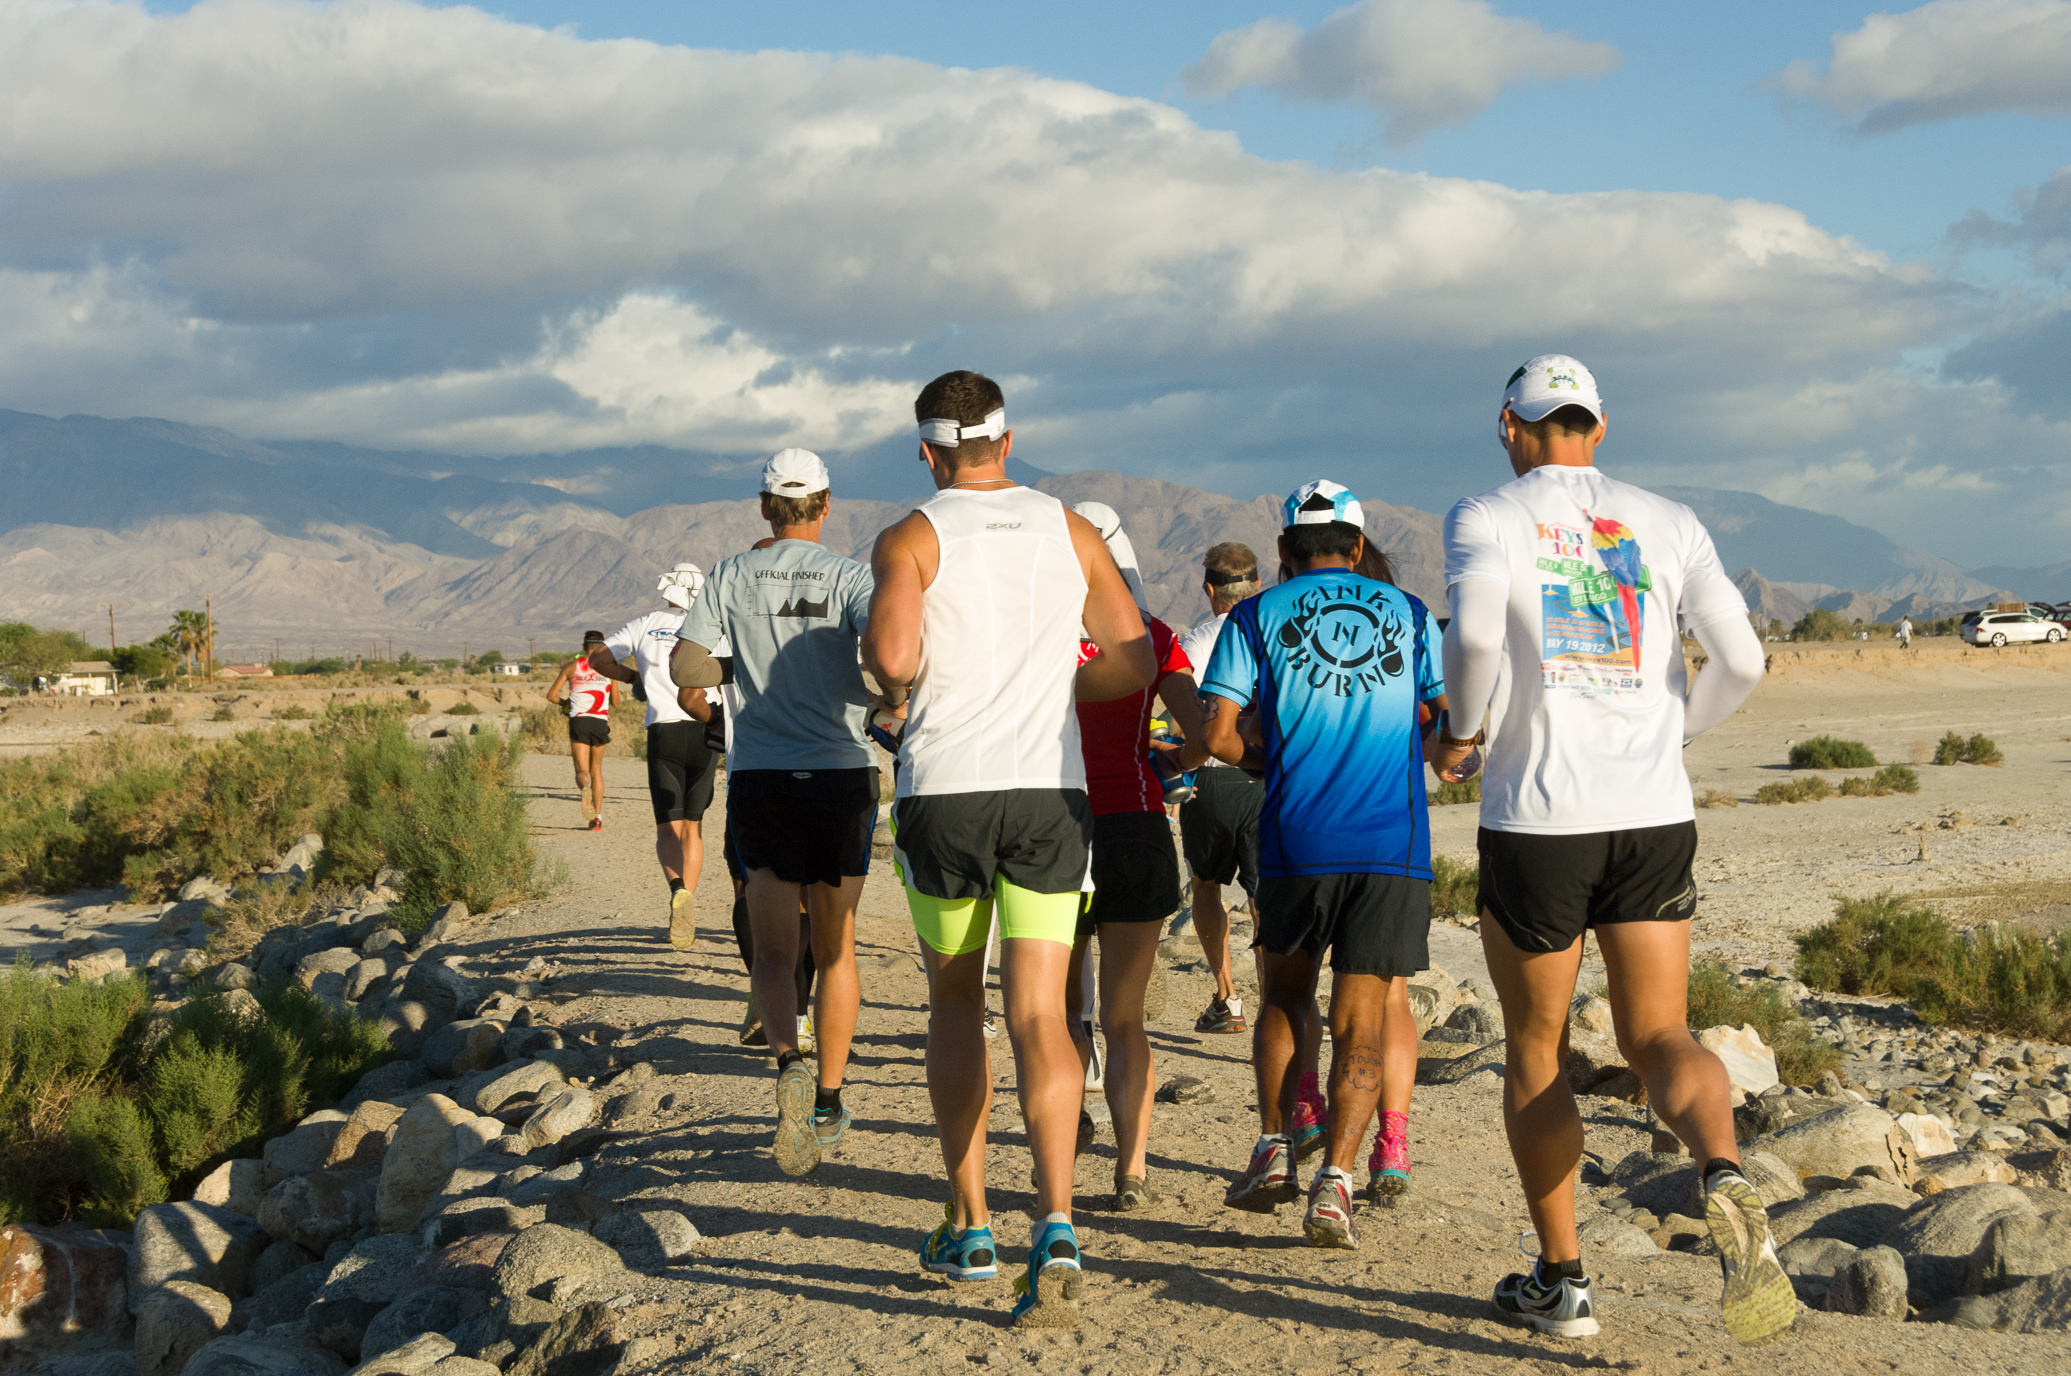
(1001, 644)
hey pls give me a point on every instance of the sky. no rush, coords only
(1811, 250)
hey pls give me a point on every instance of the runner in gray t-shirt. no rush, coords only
(801, 779)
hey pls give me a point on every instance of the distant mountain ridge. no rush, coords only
(325, 547)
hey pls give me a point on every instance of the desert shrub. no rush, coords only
(454, 821)
(1712, 797)
(294, 711)
(417, 707)
(1716, 999)
(1829, 752)
(1822, 624)
(110, 1162)
(1455, 888)
(463, 708)
(1806, 790)
(1880, 945)
(545, 729)
(223, 713)
(153, 716)
(2015, 983)
(1892, 778)
(1978, 749)
(241, 921)
(1444, 795)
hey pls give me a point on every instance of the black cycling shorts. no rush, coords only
(679, 771)
(805, 826)
(1135, 870)
(1219, 827)
(959, 845)
(589, 730)
(1545, 890)
(1372, 924)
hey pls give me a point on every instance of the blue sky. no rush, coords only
(1223, 244)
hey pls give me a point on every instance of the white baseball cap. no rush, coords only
(794, 473)
(1343, 505)
(681, 585)
(1548, 383)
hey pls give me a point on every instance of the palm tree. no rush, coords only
(190, 635)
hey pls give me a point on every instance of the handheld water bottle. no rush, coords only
(1178, 784)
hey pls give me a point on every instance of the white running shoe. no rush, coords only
(1563, 1309)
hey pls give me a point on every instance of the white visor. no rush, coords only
(1109, 523)
(948, 434)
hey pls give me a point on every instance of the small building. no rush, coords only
(245, 671)
(511, 670)
(86, 678)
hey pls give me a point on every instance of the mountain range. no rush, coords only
(322, 549)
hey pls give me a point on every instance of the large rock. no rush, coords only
(62, 1291)
(1953, 1170)
(337, 960)
(582, 1342)
(1859, 1215)
(1938, 1235)
(420, 1156)
(338, 1324)
(1482, 1020)
(1813, 1262)
(1872, 1285)
(2016, 1248)
(1591, 1015)
(1451, 1070)
(1834, 1145)
(1773, 1180)
(462, 1047)
(174, 1322)
(1433, 994)
(2042, 1305)
(1604, 1235)
(235, 1185)
(365, 976)
(303, 1149)
(204, 1243)
(1929, 1135)
(256, 1356)
(565, 1111)
(427, 1309)
(97, 965)
(647, 1241)
(376, 1269)
(278, 1262)
(1750, 1064)
(320, 1208)
(464, 1218)
(362, 1140)
(463, 1265)
(1597, 1066)
(546, 1253)
(421, 1353)
(527, 1077)
(1658, 1183)
(284, 1301)
(447, 995)
(386, 1082)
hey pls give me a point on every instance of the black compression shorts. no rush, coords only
(1135, 870)
(679, 771)
(589, 730)
(1219, 827)
(805, 826)
(1544, 890)
(1372, 924)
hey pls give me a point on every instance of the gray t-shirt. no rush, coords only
(794, 614)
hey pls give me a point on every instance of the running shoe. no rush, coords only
(807, 1043)
(1389, 1167)
(596, 824)
(1269, 1182)
(1096, 1068)
(797, 1146)
(1223, 1015)
(1306, 1127)
(751, 1025)
(1758, 1302)
(970, 1255)
(589, 812)
(1133, 1193)
(992, 1025)
(1089, 1131)
(683, 920)
(1047, 1295)
(1328, 1222)
(1563, 1309)
(830, 1125)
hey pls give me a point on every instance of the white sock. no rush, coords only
(1065, 1219)
(1335, 1170)
(1270, 1139)
(1235, 1004)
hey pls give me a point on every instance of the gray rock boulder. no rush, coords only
(649, 1241)
(447, 995)
(1812, 1262)
(254, 1356)
(1859, 1215)
(334, 960)
(1483, 1020)
(318, 1209)
(1834, 1145)
(174, 1322)
(365, 976)
(376, 1269)
(414, 1357)
(1604, 1235)
(544, 1254)
(385, 1081)
(339, 1323)
(284, 1301)
(527, 1077)
(278, 1262)
(235, 1185)
(421, 1155)
(461, 1047)
(430, 1309)
(1938, 1235)
(1871, 1285)
(2019, 1247)
(465, 1218)
(567, 1110)
(1774, 1181)
(362, 1142)
(582, 1342)
(2042, 1305)
(301, 1150)
(234, 975)
(206, 1244)
(447, 920)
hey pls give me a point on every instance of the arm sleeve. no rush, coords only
(1232, 668)
(1733, 665)
(701, 623)
(1477, 576)
(1708, 594)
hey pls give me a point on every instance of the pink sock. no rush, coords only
(1311, 1090)
(1391, 1147)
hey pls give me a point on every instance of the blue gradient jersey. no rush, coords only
(1337, 665)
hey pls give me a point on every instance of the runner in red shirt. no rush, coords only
(1135, 867)
(588, 695)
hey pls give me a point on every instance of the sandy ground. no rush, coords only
(819, 1274)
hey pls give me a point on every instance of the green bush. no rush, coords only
(1712, 797)
(463, 708)
(1896, 778)
(1821, 624)
(1979, 749)
(1715, 1000)
(1807, 790)
(1880, 945)
(223, 713)
(1455, 888)
(109, 1160)
(294, 711)
(1445, 795)
(1829, 752)
(153, 716)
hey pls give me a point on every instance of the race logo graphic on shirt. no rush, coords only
(1594, 622)
(774, 584)
(1344, 640)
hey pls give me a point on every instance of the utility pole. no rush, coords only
(531, 645)
(276, 649)
(111, 606)
(208, 617)
(391, 649)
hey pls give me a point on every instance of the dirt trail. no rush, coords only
(819, 1274)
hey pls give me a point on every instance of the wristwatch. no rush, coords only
(1448, 739)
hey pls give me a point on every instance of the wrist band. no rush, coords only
(1447, 738)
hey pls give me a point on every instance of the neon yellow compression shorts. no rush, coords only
(958, 926)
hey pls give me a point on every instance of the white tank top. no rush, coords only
(589, 692)
(999, 643)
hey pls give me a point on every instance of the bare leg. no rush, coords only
(1075, 1000)
(840, 995)
(680, 846)
(1539, 1113)
(597, 753)
(1127, 952)
(1373, 1061)
(773, 973)
(1046, 1065)
(1212, 925)
(1648, 965)
(580, 754)
(959, 1075)
(1287, 989)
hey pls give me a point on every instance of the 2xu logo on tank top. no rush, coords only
(1346, 639)
(1593, 627)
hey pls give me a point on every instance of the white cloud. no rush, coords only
(1418, 64)
(1943, 61)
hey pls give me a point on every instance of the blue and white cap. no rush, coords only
(1548, 383)
(1306, 505)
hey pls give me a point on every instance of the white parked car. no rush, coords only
(2010, 628)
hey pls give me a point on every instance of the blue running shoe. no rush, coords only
(830, 1125)
(1048, 1295)
(969, 1257)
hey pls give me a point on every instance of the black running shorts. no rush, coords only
(1219, 827)
(589, 730)
(806, 826)
(1373, 924)
(679, 771)
(958, 845)
(1135, 870)
(1544, 890)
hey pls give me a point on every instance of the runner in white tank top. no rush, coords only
(588, 696)
(979, 599)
